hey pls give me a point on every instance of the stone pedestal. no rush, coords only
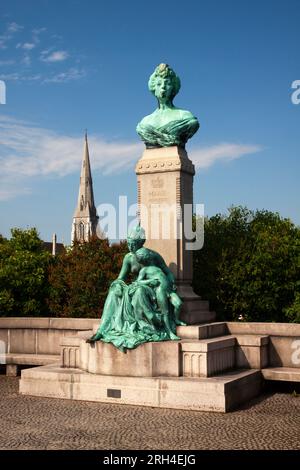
(148, 360)
(165, 186)
(165, 199)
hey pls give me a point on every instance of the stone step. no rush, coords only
(208, 344)
(252, 340)
(13, 361)
(202, 331)
(207, 357)
(197, 304)
(252, 351)
(28, 359)
(195, 310)
(219, 394)
(197, 316)
(287, 374)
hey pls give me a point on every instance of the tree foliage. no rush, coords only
(79, 279)
(249, 266)
(23, 274)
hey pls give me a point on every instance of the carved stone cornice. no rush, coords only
(163, 160)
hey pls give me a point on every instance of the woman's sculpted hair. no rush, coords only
(164, 71)
(137, 233)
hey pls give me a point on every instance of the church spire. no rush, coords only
(85, 218)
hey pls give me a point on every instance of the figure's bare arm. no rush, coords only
(125, 270)
(142, 274)
(162, 265)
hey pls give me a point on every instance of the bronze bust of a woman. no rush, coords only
(167, 125)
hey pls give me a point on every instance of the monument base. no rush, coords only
(194, 309)
(147, 360)
(203, 371)
(220, 394)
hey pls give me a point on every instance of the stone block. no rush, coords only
(244, 388)
(210, 330)
(206, 358)
(22, 340)
(252, 351)
(46, 388)
(195, 316)
(202, 394)
(70, 340)
(3, 340)
(148, 360)
(32, 359)
(70, 351)
(284, 351)
(72, 323)
(286, 374)
(261, 328)
(194, 310)
(21, 322)
(48, 341)
(109, 390)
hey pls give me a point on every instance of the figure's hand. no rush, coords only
(118, 282)
(153, 282)
(118, 287)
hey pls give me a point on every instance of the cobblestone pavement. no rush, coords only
(270, 422)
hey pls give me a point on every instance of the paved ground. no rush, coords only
(270, 422)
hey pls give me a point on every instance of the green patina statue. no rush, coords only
(146, 310)
(168, 125)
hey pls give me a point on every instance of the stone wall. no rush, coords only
(39, 335)
(43, 336)
(284, 341)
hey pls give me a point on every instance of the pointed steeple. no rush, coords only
(85, 218)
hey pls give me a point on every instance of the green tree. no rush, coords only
(23, 274)
(293, 311)
(79, 279)
(249, 265)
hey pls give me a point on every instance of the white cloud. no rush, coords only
(67, 76)
(37, 31)
(28, 46)
(15, 76)
(10, 76)
(7, 62)
(225, 152)
(53, 55)
(11, 29)
(56, 56)
(62, 77)
(28, 152)
(14, 27)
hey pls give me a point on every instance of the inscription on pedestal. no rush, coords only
(113, 393)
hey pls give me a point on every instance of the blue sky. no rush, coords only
(73, 64)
